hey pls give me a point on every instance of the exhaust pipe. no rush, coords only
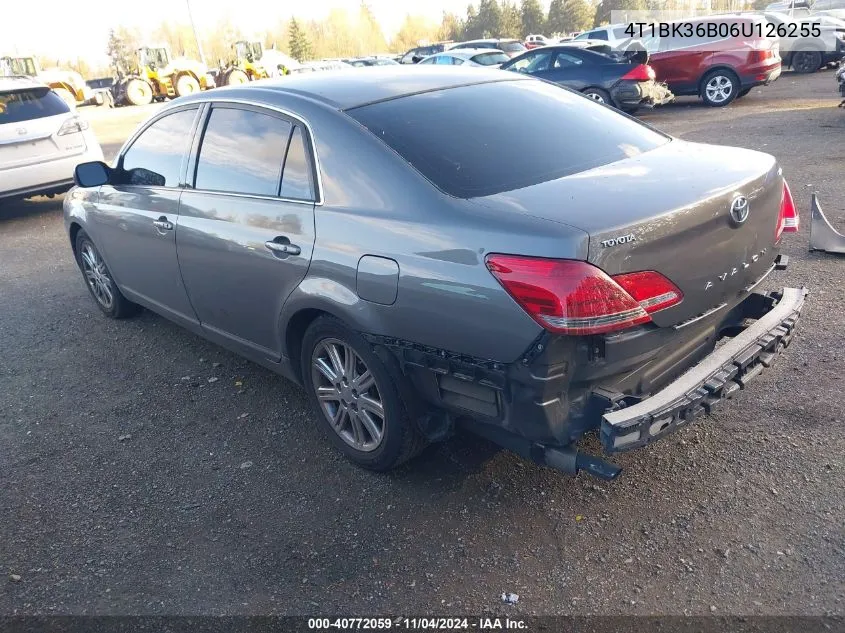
(823, 237)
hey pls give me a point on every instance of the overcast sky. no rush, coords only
(68, 29)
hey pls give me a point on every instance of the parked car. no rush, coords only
(718, 70)
(535, 41)
(359, 62)
(42, 140)
(361, 235)
(617, 81)
(511, 48)
(811, 42)
(468, 57)
(613, 34)
(416, 55)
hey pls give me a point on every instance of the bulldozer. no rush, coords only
(158, 76)
(245, 65)
(68, 84)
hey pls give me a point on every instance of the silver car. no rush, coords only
(360, 234)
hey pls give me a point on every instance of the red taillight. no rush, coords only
(788, 220)
(650, 289)
(642, 72)
(574, 297)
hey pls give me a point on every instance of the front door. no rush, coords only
(134, 224)
(246, 228)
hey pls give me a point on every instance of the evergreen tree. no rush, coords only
(533, 20)
(300, 47)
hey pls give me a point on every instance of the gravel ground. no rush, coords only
(148, 471)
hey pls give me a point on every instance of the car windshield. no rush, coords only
(17, 106)
(490, 59)
(464, 139)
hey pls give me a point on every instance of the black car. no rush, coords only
(622, 81)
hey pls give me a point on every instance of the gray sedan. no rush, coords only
(364, 235)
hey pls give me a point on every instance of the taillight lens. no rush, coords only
(72, 126)
(576, 298)
(788, 220)
(650, 289)
(642, 72)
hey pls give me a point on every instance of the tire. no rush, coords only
(719, 88)
(67, 96)
(378, 443)
(138, 92)
(236, 77)
(186, 85)
(743, 92)
(99, 281)
(599, 95)
(806, 62)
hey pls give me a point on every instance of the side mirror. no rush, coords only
(92, 174)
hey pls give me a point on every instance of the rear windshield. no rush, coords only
(511, 47)
(483, 139)
(489, 59)
(33, 103)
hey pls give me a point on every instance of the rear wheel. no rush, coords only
(719, 88)
(597, 94)
(138, 92)
(356, 400)
(237, 77)
(99, 280)
(186, 85)
(806, 62)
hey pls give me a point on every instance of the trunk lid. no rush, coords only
(669, 210)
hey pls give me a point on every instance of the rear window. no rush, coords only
(483, 139)
(511, 47)
(489, 59)
(34, 103)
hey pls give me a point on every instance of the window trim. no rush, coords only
(267, 110)
(158, 116)
(204, 106)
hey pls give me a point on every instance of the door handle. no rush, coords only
(163, 224)
(281, 247)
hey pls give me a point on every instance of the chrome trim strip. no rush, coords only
(757, 283)
(256, 104)
(700, 316)
(255, 196)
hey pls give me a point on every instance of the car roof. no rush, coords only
(466, 53)
(19, 82)
(344, 90)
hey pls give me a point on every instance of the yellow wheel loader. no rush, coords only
(245, 66)
(158, 76)
(68, 84)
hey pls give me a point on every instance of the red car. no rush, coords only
(718, 69)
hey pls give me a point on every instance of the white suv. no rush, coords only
(613, 34)
(42, 140)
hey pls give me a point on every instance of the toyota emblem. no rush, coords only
(739, 209)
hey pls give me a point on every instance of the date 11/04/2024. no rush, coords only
(418, 624)
(721, 30)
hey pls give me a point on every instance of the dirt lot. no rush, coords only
(133, 482)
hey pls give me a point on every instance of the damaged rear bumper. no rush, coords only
(727, 369)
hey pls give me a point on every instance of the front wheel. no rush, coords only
(237, 77)
(138, 92)
(719, 88)
(186, 85)
(99, 280)
(356, 401)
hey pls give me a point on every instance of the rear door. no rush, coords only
(134, 224)
(246, 227)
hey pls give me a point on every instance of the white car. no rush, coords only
(613, 35)
(42, 140)
(468, 57)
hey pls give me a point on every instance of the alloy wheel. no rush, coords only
(97, 275)
(719, 89)
(348, 395)
(595, 97)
